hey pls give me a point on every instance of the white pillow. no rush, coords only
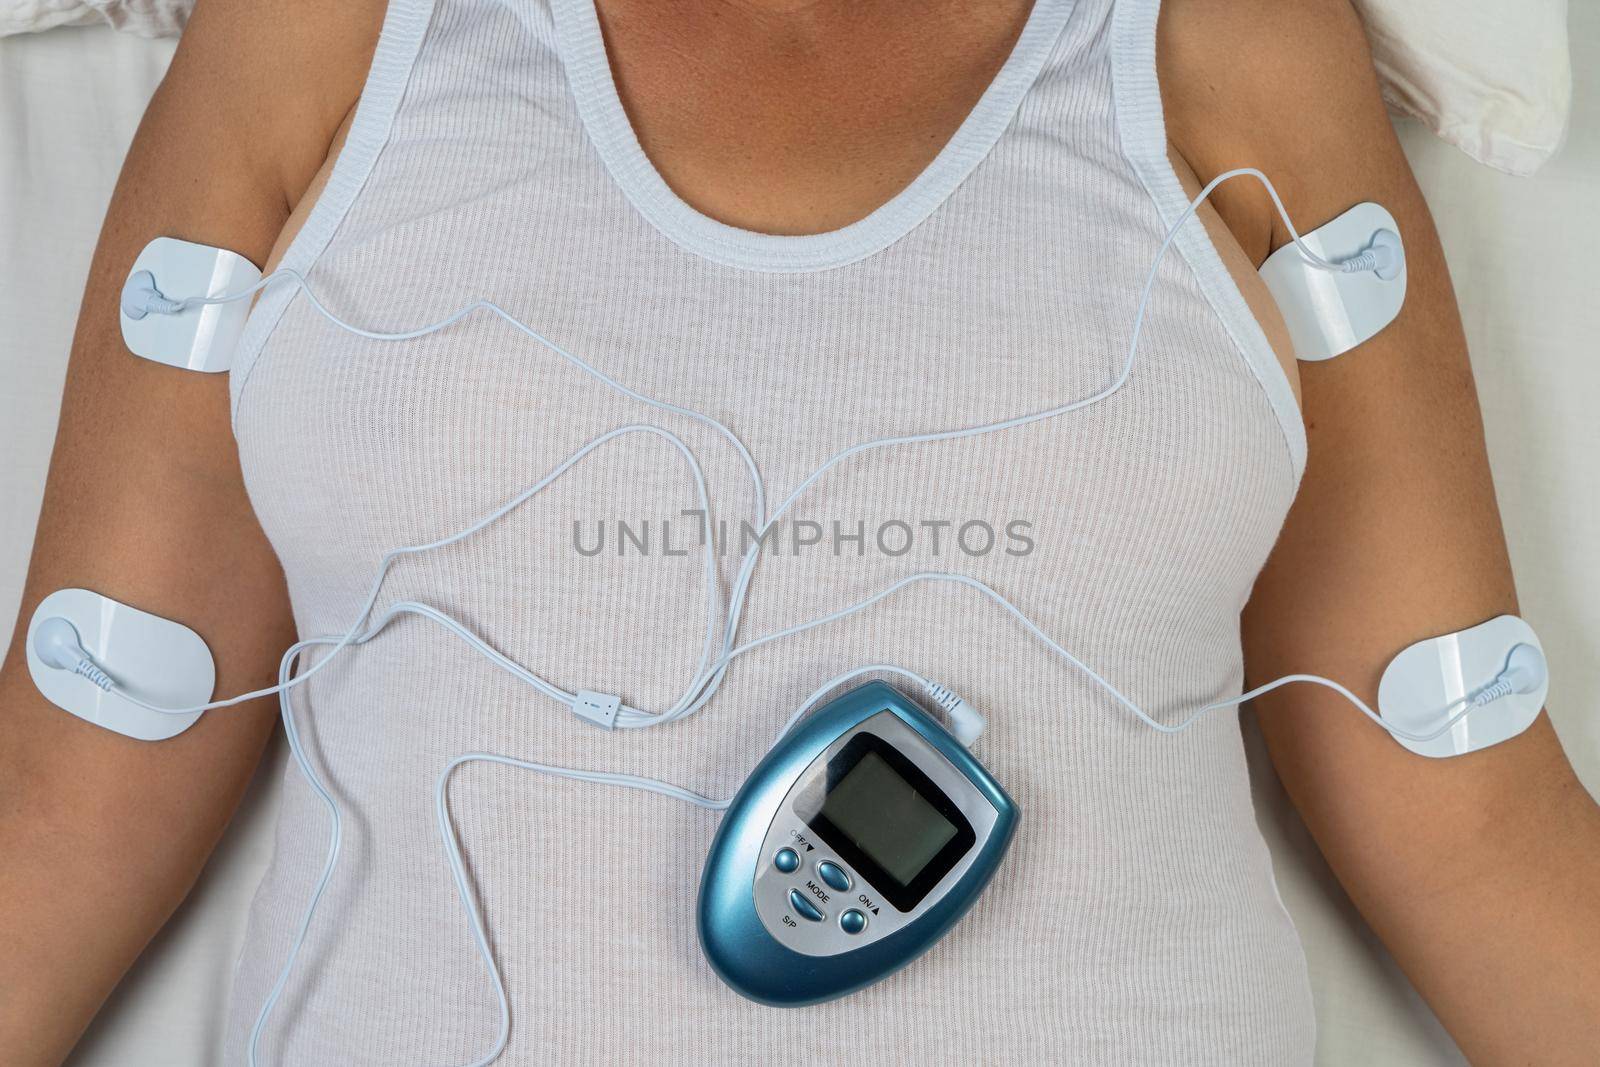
(1492, 77)
(147, 18)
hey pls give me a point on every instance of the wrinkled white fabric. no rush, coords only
(147, 18)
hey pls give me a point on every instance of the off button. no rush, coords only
(787, 860)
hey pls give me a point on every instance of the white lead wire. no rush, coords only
(354, 636)
(710, 671)
(710, 678)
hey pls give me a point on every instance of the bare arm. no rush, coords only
(103, 835)
(1478, 872)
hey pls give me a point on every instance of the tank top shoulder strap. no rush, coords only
(1129, 42)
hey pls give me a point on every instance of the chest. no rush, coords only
(1167, 493)
(796, 118)
(1006, 284)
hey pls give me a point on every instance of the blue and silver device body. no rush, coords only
(857, 842)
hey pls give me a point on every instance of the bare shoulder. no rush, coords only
(1284, 85)
(259, 88)
(1239, 41)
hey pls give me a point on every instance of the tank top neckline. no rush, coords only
(588, 69)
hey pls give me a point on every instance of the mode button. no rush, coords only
(834, 875)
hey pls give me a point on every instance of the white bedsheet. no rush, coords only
(1522, 253)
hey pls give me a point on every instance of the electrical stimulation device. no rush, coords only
(855, 844)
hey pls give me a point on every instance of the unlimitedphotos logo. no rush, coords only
(686, 533)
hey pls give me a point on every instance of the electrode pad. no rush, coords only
(159, 661)
(1329, 313)
(201, 338)
(1431, 676)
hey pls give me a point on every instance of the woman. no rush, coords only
(819, 223)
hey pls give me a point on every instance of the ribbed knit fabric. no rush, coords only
(1136, 919)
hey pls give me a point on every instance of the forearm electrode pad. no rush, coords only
(1465, 691)
(116, 666)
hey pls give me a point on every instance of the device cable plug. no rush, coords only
(140, 297)
(56, 644)
(1382, 257)
(1524, 672)
(966, 722)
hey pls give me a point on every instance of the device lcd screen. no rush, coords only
(888, 820)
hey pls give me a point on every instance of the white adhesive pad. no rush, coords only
(1433, 674)
(200, 338)
(155, 659)
(1329, 314)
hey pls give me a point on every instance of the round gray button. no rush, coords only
(852, 922)
(787, 860)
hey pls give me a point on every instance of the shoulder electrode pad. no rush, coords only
(160, 662)
(1329, 313)
(202, 337)
(1491, 679)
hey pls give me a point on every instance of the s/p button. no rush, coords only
(803, 907)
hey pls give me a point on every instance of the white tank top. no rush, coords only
(1135, 919)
